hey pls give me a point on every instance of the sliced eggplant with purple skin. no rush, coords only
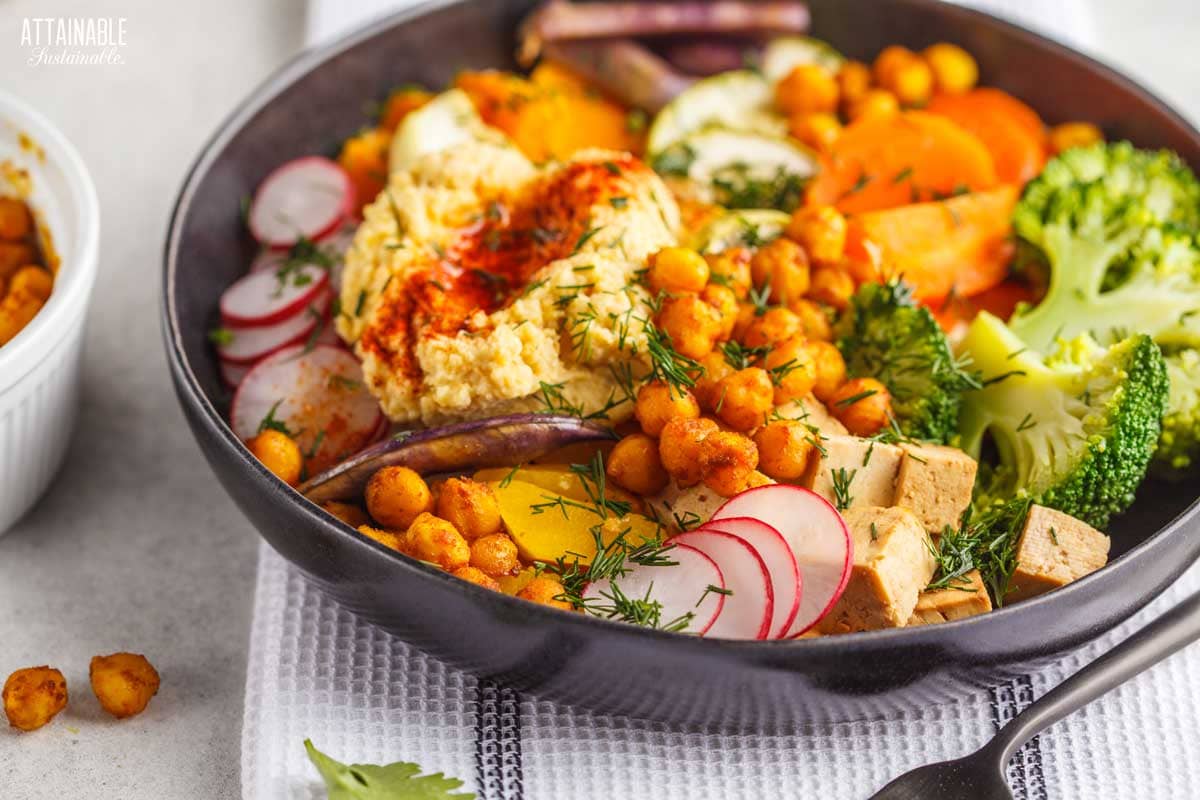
(624, 69)
(560, 20)
(495, 442)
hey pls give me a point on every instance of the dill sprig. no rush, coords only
(842, 478)
(667, 364)
(738, 356)
(985, 540)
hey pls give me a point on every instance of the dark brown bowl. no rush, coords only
(319, 99)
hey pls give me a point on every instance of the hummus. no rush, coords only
(479, 284)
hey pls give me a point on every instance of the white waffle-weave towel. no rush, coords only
(364, 696)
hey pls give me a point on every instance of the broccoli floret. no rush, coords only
(1073, 431)
(1116, 227)
(885, 335)
(1179, 444)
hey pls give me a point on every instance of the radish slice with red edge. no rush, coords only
(318, 395)
(681, 589)
(248, 345)
(786, 584)
(232, 374)
(264, 298)
(816, 534)
(309, 197)
(750, 599)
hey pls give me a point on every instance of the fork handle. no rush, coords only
(1174, 630)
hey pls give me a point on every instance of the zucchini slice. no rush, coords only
(749, 227)
(736, 100)
(788, 52)
(446, 121)
(740, 169)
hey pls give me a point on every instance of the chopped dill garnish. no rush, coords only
(738, 356)
(221, 337)
(854, 398)
(270, 423)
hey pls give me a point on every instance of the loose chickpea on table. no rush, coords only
(33, 696)
(123, 683)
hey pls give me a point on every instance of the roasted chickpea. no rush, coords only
(805, 89)
(692, 324)
(396, 495)
(14, 255)
(875, 103)
(390, 539)
(792, 369)
(437, 541)
(747, 396)
(832, 286)
(348, 513)
(888, 61)
(478, 577)
(677, 269)
(716, 367)
(279, 453)
(817, 129)
(546, 590)
(679, 448)
(33, 696)
(831, 369)
(911, 82)
(727, 460)
(634, 464)
(123, 683)
(863, 405)
(954, 69)
(731, 268)
(821, 231)
(747, 313)
(470, 506)
(784, 449)
(496, 555)
(853, 79)
(658, 402)
(1073, 134)
(725, 301)
(782, 266)
(813, 320)
(774, 326)
(15, 222)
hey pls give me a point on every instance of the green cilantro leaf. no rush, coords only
(398, 781)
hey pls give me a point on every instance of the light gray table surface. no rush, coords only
(136, 546)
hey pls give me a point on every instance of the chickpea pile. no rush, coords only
(817, 101)
(455, 525)
(25, 282)
(758, 324)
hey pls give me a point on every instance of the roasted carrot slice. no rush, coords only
(961, 244)
(1002, 123)
(911, 157)
(1000, 301)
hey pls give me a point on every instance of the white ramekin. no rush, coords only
(39, 368)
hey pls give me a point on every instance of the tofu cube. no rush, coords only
(965, 597)
(870, 468)
(893, 563)
(812, 411)
(935, 483)
(1054, 549)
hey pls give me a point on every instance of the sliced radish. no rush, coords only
(781, 565)
(816, 534)
(681, 588)
(252, 344)
(317, 395)
(232, 374)
(749, 609)
(308, 197)
(264, 298)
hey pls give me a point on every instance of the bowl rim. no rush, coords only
(77, 273)
(932, 635)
